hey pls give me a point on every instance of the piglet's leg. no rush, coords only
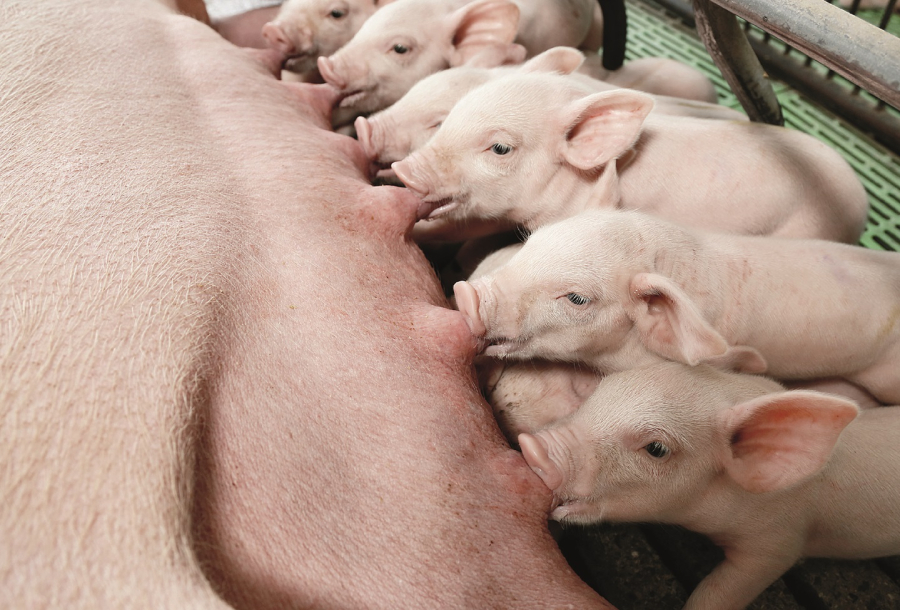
(739, 579)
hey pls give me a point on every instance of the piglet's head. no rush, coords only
(585, 289)
(396, 132)
(306, 29)
(529, 148)
(658, 443)
(410, 123)
(434, 179)
(404, 42)
(556, 298)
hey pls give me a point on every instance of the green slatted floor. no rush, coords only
(654, 33)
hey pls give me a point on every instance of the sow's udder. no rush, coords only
(348, 456)
(235, 378)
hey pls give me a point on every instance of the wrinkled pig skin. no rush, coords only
(564, 148)
(618, 289)
(769, 475)
(221, 349)
(409, 39)
(394, 133)
(528, 396)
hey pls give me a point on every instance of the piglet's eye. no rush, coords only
(501, 149)
(337, 13)
(578, 299)
(400, 49)
(657, 449)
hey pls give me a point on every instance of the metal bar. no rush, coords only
(858, 51)
(886, 15)
(615, 29)
(728, 46)
(883, 127)
(860, 112)
(682, 8)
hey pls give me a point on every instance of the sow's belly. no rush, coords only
(219, 341)
(347, 459)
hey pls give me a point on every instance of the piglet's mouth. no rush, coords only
(300, 62)
(352, 97)
(561, 511)
(564, 509)
(499, 347)
(429, 210)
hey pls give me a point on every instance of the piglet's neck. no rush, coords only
(570, 193)
(711, 277)
(728, 514)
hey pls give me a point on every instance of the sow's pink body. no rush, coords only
(228, 378)
(769, 475)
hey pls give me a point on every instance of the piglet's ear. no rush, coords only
(739, 358)
(492, 56)
(781, 439)
(482, 24)
(669, 323)
(563, 60)
(603, 126)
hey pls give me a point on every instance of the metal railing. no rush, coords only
(787, 39)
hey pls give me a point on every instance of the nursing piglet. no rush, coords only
(528, 396)
(530, 149)
(617, 290)
(305, 29)
(409, 39)
(769, 475)
(394, 133)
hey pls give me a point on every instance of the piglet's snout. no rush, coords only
(364, 135)
(467, 301)
(329, 72)
(409, 171)
(536, 454)
(277, 38)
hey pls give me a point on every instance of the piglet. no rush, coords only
(659, 75)
(769, 475)
(410, 39)
(303, 30)
(394, 133)
(617, 289)
(530, 149)
(527, 396)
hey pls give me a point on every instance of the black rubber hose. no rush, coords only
(615, 29)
